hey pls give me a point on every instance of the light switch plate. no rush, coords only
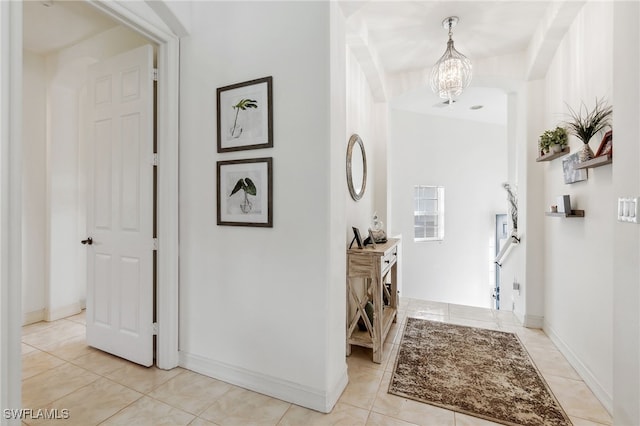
(628, 209)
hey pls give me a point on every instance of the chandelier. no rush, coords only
(452, 73)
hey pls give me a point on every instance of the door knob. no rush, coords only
(87, 241)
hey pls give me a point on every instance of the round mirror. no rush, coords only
(356, 167)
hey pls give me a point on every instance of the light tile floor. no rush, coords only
(61, 372)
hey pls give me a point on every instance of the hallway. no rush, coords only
(61, 372)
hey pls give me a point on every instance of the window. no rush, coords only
(428, 213)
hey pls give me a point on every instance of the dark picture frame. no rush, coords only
(356, 237)
(245, 115)
(245, 192)
(606, 146)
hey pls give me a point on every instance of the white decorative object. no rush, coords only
(564, 204)
(377, 224)
(628, 209)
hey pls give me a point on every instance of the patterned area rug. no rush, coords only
(483, 373)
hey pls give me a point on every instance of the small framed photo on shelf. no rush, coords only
(245, 192)
(356, 238)
(245, 115)
(371, 238)
(606, 146)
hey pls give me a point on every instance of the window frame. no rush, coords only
(438, 213)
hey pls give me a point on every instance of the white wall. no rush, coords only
(532, 219)
(578, 253)
(368, 120)
(335, 305)
(65, 290)
(10, 203)
(469, 159)
(254, 302)
(626, 237)
(34, 226)
(513, 268)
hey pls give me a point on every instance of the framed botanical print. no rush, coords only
(245, 115)
(245, 192)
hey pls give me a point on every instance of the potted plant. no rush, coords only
(543, 144)
(554, 140)
(584, 124)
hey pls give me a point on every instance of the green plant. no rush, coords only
(243, 104)
(584, 124)
(557, 136)
(246, 185)
(249, 188)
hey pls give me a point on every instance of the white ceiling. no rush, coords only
(408, 35)
(401, 38)
(53, 25)
(404, 36)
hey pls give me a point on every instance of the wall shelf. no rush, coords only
(574, 213)
(596, 162)
(553, 155)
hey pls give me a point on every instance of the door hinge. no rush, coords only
(154, 328)
(154, 159)
(155, 244)
(154, 74)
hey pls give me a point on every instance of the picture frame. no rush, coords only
(371, 238)
(356, 237)
(245, 115)
(245, 192)
(571, 174)
(606, 145)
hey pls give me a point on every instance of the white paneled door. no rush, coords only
(120, 206)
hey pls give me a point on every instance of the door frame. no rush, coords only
(167, 102)
(11, 176)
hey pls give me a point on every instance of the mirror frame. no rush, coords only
(353, 140)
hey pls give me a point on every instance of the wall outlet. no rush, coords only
(628, 209)
(516, 287)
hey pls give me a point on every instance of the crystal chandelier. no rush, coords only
(452, 73)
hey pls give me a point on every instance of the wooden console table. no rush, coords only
(374, 266)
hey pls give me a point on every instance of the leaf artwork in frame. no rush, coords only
(244, 194)
(245, 115)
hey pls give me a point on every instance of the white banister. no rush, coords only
(506, 248)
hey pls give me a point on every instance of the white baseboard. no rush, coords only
(533, 321)
(33, 316)
(63, 312)
(589, 379)
(315, 399)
